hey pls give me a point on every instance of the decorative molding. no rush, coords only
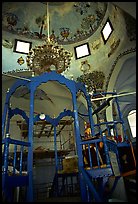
(17, 70)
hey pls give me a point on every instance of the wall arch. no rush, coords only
(123, 80)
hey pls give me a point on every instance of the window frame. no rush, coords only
(78, 46)
(24, 41)
(130, 125)
(112, 29)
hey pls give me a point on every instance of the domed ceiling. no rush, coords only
(70, 22)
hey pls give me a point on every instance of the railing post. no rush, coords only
(6, 153)
(106, 149)
(121, 119)
(14, 160)
(55, 148)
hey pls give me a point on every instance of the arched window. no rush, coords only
(132, 122)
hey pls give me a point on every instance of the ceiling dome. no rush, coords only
(70, 22)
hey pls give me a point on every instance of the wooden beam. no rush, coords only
(50, 131)
(43, 126)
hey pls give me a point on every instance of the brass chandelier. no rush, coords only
(49, 56)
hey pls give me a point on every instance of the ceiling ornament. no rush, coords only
(113, 47)
(85, 67)
(64, 33)
(82, 7)
(96, 44)
(20, 61)
(94, 81)
(7, 44)
(49, 56)
(9, 20)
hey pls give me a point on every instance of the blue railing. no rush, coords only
(97, 152)
(107, 127)
(7, 142)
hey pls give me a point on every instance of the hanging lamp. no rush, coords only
(48, 57)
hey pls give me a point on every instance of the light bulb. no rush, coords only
(42, 116)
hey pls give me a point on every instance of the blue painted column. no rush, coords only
(30, 149)
(56, 162)
(55, 147)
(6, 106)
(106, 149)
(8, 120)
(6, 153)
(79, 146)
(15, 158)
(5, 168)
(91, 186)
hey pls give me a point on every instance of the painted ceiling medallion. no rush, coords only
(20, 61)
(85, 67)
